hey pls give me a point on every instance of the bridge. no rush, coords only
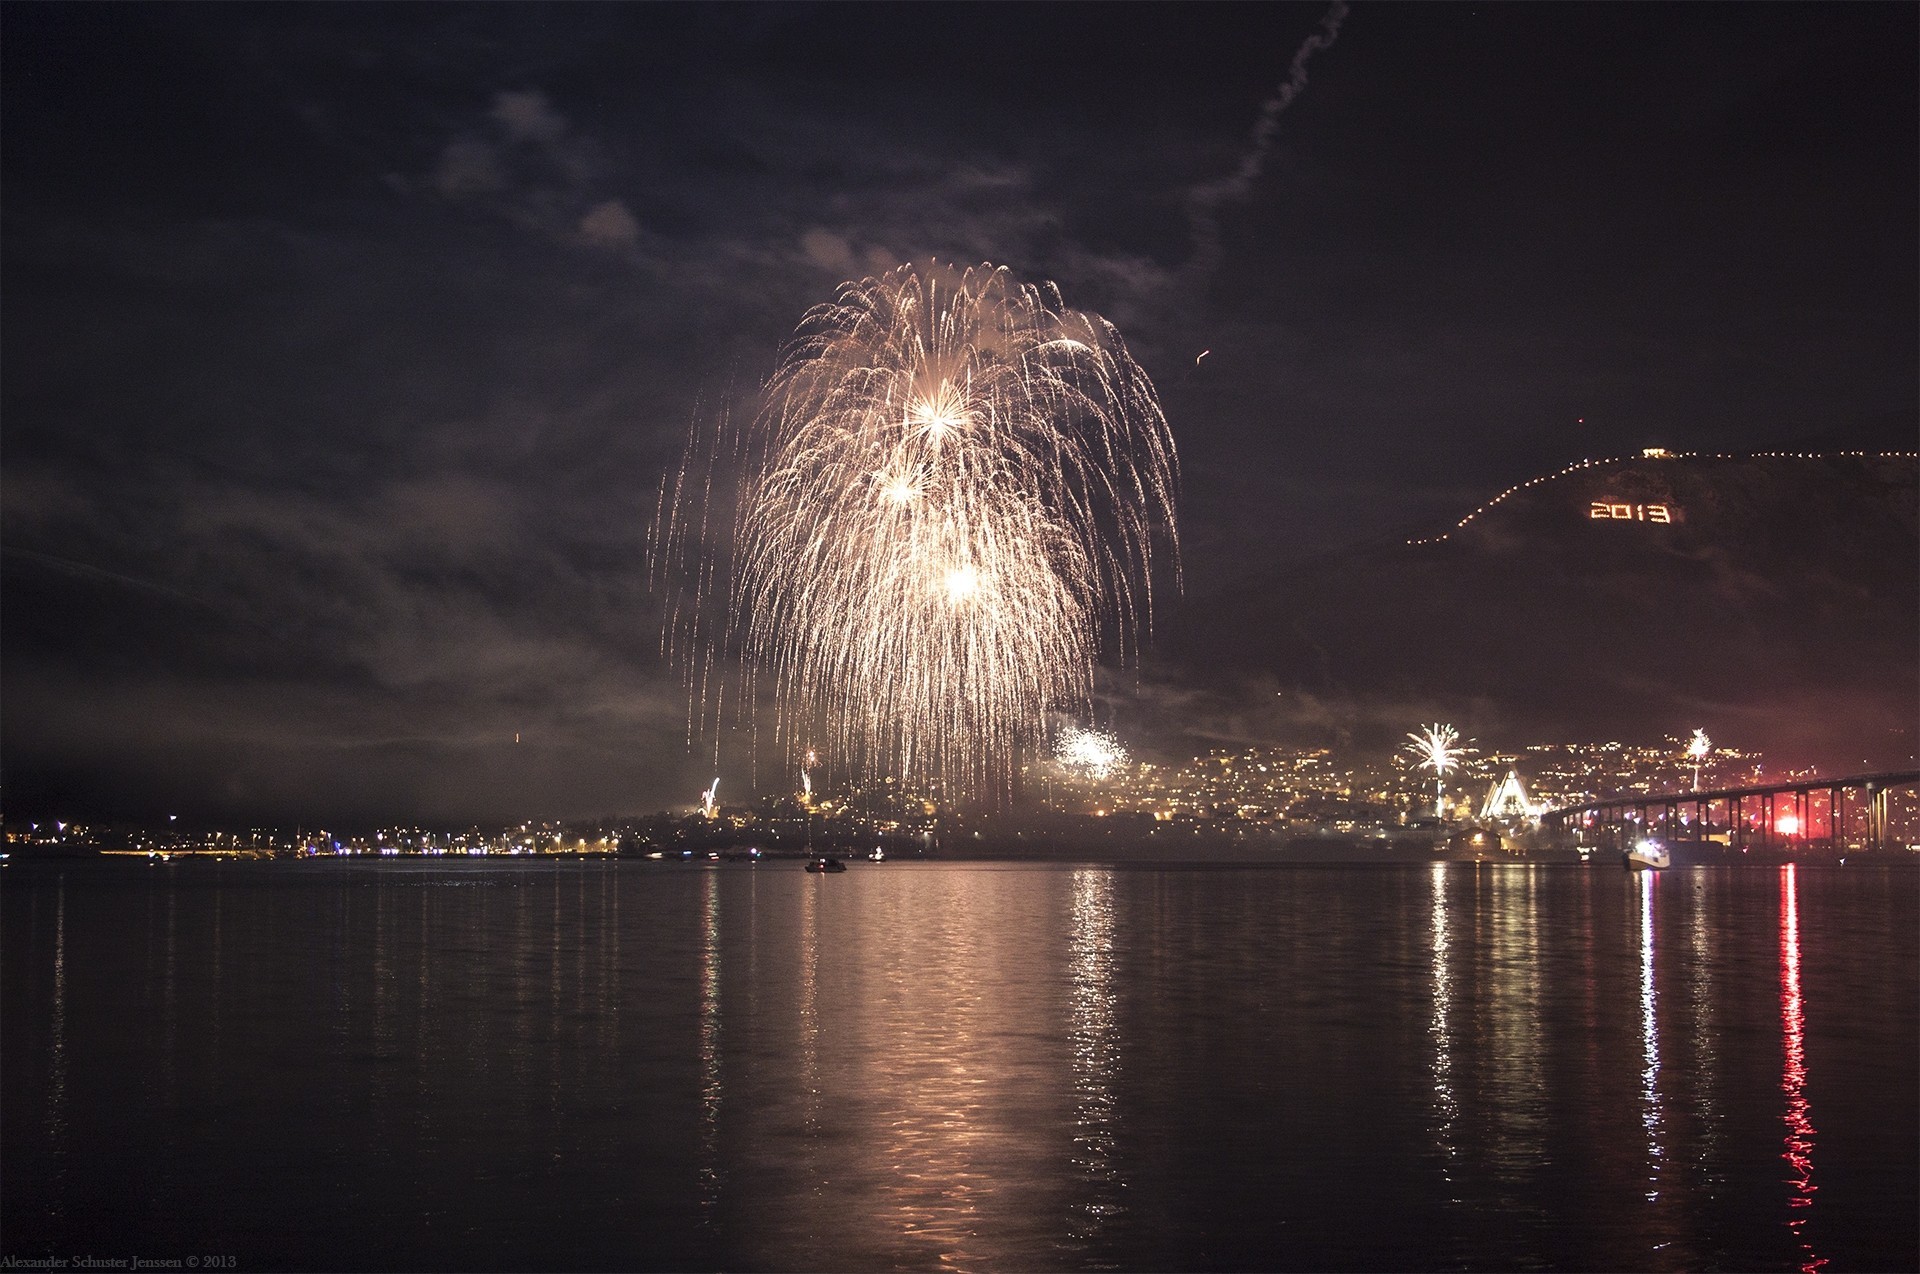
(1839, 814)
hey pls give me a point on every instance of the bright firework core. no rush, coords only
(1437, 748)
(1094, 753)
(950, 500)
(962, 582)
(944, 409)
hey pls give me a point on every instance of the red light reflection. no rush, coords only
(1793, 1080)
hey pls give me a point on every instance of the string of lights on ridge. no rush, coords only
(1661, 453)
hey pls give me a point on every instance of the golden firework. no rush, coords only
(950, 500)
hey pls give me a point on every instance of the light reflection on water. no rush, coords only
(623, 1065)
(1095, 1049)
(1446, 1104)
(1705, 1046)
(1517, 1053)
(1793, 1082)
(1652, 1118)
(711, 1090)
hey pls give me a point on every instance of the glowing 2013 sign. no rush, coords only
(1602, 510)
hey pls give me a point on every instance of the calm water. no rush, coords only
(976, 1066)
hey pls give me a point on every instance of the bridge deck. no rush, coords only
(1756, 814)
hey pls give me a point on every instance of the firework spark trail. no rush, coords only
(1699, 748)
(1437, 748)
(953, 493)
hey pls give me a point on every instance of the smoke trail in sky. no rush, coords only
(1203, 205)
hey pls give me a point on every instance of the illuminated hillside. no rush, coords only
(1627, 488)
(1773, 597)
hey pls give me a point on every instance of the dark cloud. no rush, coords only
(344, 346)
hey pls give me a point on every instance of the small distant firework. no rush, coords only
(1699, 748)
(709, 805)
(1436, 748)
(949, 501)
(1096, 754)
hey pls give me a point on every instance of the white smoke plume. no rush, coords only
(1203, 205)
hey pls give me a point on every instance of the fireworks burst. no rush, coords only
(1698, 748)
(1437, 748)
(950, 500)
(1094, 753)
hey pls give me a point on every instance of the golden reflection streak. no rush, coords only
(945, 1098)
(1793, 1080)
(1446, 1105)
(941, 1118)
(1516, 1023)
(1095, 1045)
(810, 1011)
(710, 1091)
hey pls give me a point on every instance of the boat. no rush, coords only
(1647, 855)
(879, 854)
(825, 864)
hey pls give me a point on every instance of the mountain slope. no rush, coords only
(1773, 599)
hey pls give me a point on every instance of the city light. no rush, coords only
(1267, 792)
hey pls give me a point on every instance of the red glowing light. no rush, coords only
(1798, 1147)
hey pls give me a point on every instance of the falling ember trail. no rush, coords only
(1699, 748)
(1437, 748)
(948, 503)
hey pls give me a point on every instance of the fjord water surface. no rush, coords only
(634, 1065)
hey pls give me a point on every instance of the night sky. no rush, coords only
(345, 345)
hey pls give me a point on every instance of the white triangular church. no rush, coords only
(1508, 799)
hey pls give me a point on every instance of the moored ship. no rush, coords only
(1647, 855)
